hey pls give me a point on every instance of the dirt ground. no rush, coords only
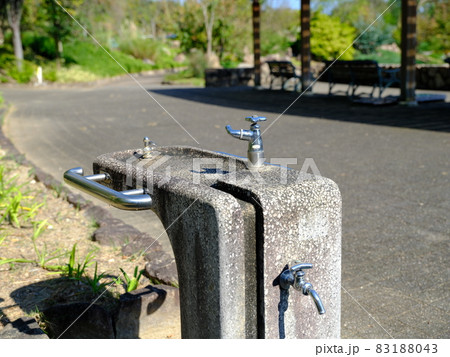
(27, 288)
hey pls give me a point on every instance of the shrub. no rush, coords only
(148, 49)
(197, 63)
(140, 48)
(40, 45)
(274, 42)
(184, 77)
(49, 73)
(93, 59)
(330, 37)
(9, 65)
(74, 73)
(373, 38)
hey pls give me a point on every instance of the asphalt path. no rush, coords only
(390, 162)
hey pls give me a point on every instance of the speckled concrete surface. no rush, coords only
(301, 221)
(206, 229)
(229, 255)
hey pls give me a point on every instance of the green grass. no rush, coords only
(91, 58)
(184, 77)
(43, 256)
(16, 207)
(85, 61)
(381, 56)
(95, 282)
(132, 283)
(8, 67)
(76, 270)
(389, 57)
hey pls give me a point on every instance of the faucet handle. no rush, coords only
(293, 274)
(149, 146)
(300, 266)
(255, 119)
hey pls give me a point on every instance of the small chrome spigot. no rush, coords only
(149, 146)
(294, 276)
(255, 152)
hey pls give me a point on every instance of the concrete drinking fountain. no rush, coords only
(238, 228)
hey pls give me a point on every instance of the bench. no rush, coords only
(360, 72)
(284, 70)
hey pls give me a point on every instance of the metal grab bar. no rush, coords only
(131, 200)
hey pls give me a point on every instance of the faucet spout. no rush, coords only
(317, 301)
(240, 134)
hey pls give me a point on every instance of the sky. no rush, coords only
(294, 4)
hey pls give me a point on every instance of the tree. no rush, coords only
(191, 27)
(232, 35)
(433, 25)
(208, 10)
(60, 23)
(361, 13)
(279, 28)
(3, 21)
(145, 14)
(14, 14)
(222, 27)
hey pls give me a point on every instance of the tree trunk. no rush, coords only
(256, 17)
(153, 26)
(408, 61)
(209, 41)
(14, 12)
(209, 24)
(17, 42)
(55, 33)
(305, 50)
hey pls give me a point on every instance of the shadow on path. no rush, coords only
(427, 116)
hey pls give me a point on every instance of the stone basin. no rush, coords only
(165, 162)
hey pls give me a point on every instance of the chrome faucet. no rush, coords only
(255, 152)
(294, 276)
(149, 146)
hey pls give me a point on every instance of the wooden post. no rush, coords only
(409, 41)
(256, 10)
(305, 50)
